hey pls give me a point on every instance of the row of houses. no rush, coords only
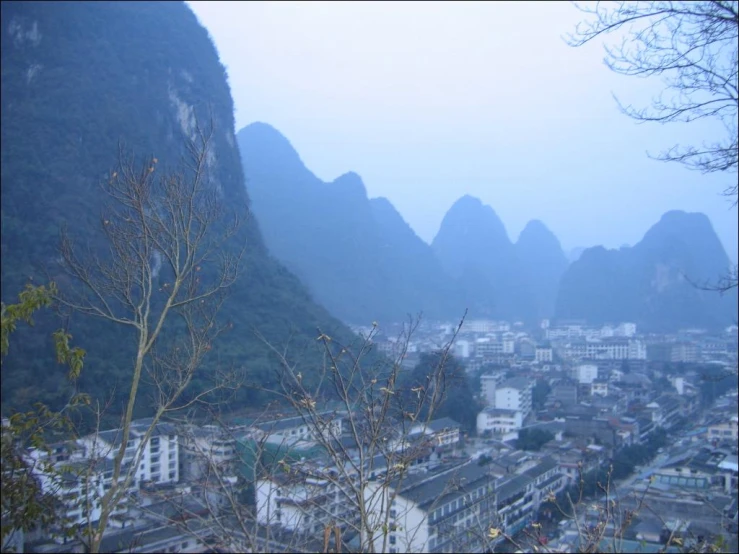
(450, 509)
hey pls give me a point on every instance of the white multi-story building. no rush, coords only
(489, 383)
(304, 500)
(608, 349)
(157, 458)
(440, 513)
(205, 449)
(499, 421)
(565, 332)
(485, 347)
(78, 486)
(290, 430)
(586, 373)
(626, 330)
(515, 394)
(83, 469)
(479, 326)
(637, 350)
(509, 343)
(544, 354)
(482, 326)
(462, 349)
(444, 432)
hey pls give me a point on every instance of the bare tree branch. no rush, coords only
(692, 46)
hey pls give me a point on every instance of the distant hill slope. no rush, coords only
(650, 283)
(543, 262)
(359, 257)
(76, 78)
(473, 246)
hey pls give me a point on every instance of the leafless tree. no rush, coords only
(164, 275)
(693, 47)
(367, 465)
(348, 493)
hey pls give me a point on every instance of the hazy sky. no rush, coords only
(430, 101)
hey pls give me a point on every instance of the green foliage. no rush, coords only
(30, 300)
(457, 398)
(627, 458)
(533, 439)
(25, 505)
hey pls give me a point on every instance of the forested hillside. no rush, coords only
(657, 282)
(72, 89)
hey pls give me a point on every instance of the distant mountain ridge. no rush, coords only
(501, 279)
(473, 246)
(358, 256)
(363, 262)
(653, 283)
(544, 262)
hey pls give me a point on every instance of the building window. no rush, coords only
(392, 539)
(172, 474)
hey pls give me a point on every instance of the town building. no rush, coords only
(499, 421)
(515, 394)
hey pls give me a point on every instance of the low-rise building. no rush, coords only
(288, 431)
(499, 421)
(724, 431)
(442, 432)
(599, 387)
